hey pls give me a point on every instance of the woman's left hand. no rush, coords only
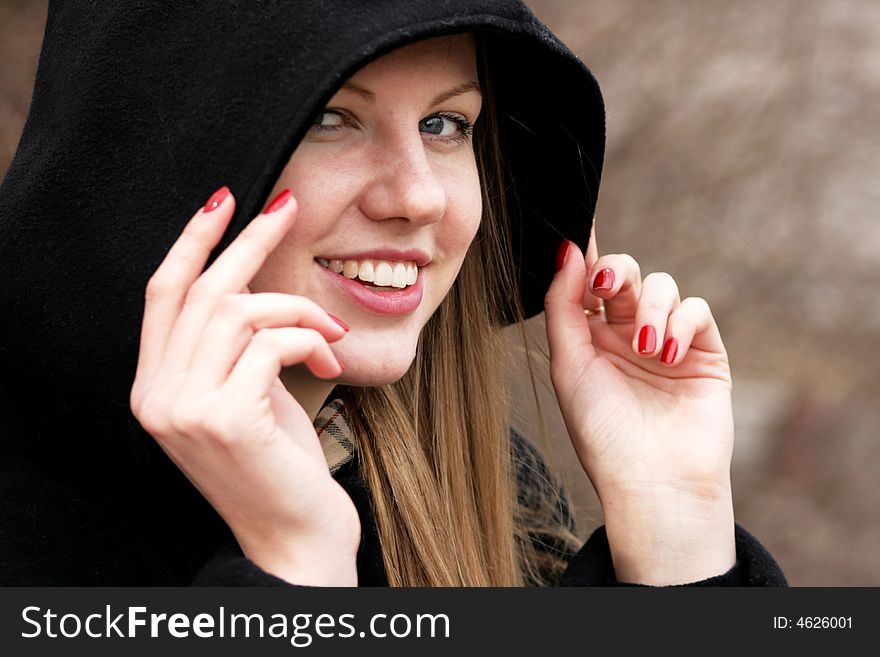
(645, 391)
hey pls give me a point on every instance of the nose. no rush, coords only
(403, 184)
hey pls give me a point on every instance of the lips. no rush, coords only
(379, 300)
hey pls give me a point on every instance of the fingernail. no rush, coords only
(338, 321)
(216, 199)
(604, 280)
(670, 349)
(562, 254)
(647, 339)
(279, 202)
(341, 366)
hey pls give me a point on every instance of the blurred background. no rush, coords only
(742, 159)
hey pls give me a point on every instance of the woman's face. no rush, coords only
(388, 193)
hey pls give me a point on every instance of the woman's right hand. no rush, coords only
(207, 388)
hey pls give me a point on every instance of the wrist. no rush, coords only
(668, 540)
(312, 570)
(308, 562)
(323, 556)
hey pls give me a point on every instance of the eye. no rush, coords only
(447, 127)
(438, 125)
(328, 120)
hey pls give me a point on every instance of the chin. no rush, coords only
(373, 367)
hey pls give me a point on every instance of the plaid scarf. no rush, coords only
(333, 430)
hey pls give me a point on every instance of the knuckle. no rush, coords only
(230, 305)
(312, 336)
(551, 298)
(153, 416)
(264, 340)
(313, 342)
(191, 260)
(192, 231)
(250, 239)
(653, 305)
(699, 304)
(660, 279)
(222, 428)
(158, 287)
(197, 293)
(186, 419)
(135, 397)
(630, 263)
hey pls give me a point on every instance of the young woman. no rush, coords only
(328, 377)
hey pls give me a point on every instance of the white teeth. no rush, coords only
(400, 275)
(366, 273)
(350, 269)
(381, 273)
(384, 275)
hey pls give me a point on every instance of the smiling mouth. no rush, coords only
(381, 275)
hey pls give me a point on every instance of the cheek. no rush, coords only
(322, 188)
(320, 200)
(467, 212)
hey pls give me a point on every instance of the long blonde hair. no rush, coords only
(435, 447)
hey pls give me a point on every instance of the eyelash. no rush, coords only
(465, 127)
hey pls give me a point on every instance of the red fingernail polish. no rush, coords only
(279, 202)
(670, 349)
(216, 199)
(562, 254)
(339, 321)
(647, 339)
(604, 280)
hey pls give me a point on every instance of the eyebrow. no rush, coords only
(463, 88)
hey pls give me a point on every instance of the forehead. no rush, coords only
(448, 57)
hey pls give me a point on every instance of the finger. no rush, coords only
(568, 330)
(238, 317)
(182, 265)
(590, 300)
(241, 260)
(690, 325)
(271, 349)
(617, 279)
(658, 300)
(231, 271)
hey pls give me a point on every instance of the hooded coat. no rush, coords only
(140, 109)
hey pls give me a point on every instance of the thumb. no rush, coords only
(568, 330)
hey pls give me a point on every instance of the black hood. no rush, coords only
(140, 110)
